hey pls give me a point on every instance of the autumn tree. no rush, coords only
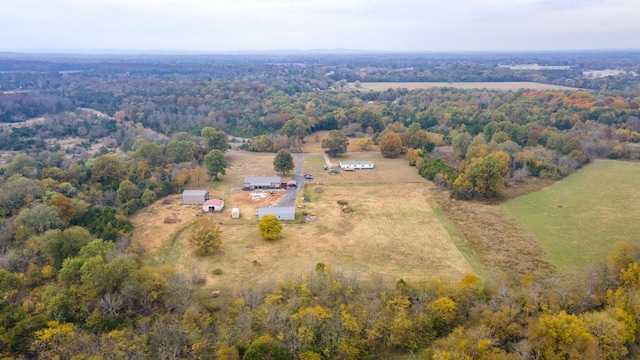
(364, 143)
(481, 178)
(127, 191)
(391, 145)
(39, 219)
(215, 139)
(60, 245)
(370, 118)
(148, 197)
(65, 205)
(414, 156)
(270, 227)
(149, 151)
(420, 140)
(297, 127)
(215, 163)
(336, 144)
(265, 347)
(205, 235)
(563, 336)
(283, 162)
(21, 164)
(178, 151)
(107, 170)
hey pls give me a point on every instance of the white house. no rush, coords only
(213, 205)
(235, 213)
(355, 164)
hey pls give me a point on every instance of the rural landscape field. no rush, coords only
(388, 230)
(499, 219)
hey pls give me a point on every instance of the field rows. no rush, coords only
(505, 85)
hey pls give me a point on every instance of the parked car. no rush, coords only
(308, 176)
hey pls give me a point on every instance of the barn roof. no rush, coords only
(276, 211)
(213, 202)
(195, 192)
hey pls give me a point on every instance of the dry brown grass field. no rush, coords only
(382, 86)
(390, 229)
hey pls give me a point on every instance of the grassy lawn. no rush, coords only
(578, 219)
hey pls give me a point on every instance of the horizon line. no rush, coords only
(289, 51)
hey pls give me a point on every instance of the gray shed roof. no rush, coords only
(195, 192)
(262, 180)
(281, 212)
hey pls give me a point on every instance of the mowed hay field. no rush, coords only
(382, 86)
(577, 220)
(391, 228)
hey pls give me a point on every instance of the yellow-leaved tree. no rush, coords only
(270, 227)
(205, 235)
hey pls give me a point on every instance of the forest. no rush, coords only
(86, 141)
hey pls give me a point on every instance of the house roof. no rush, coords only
(195, 192)
(262, 180)
(356, 162)
(213, 202)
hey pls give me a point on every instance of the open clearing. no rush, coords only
(577, 220)
(391, 228)
(382, 86)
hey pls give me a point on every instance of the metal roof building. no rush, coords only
(195, 196)
(281, 212)
(262, 182)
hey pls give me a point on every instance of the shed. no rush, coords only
(355, 164)
(235, 213)
(281, 212)
(213, 205)
(262, 182)
(195, 196)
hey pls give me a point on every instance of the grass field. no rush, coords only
(382, 86)
(578, 219)
(392, 229)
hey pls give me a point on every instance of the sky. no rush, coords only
(389, 25)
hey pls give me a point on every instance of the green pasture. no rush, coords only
(577, 220)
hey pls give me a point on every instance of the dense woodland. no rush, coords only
(88, 140)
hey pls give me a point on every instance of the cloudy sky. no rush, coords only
(395, 25)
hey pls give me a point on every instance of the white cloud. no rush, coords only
(288, 24)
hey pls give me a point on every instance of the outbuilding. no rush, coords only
(212, 205)
(235, 213)
(355, 164)
(262, 182)
(281, 212)
(191, 197)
